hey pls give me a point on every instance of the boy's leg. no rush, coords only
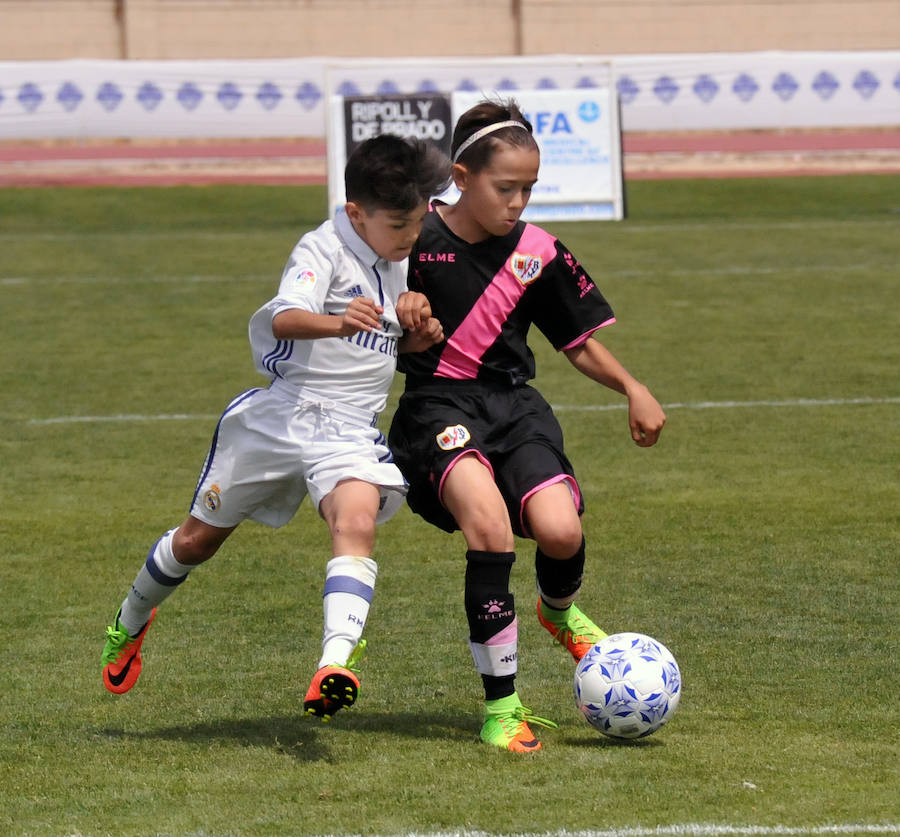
(559, 568)
(350, 511)
(193, 542)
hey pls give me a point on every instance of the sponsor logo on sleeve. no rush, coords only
(304, 280)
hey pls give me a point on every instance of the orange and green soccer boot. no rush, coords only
(570, 628)
(334, 687)
(506, 725)
(121, 656)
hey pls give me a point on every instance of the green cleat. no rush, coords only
(570, 628)
(121, 656)
(506, 725)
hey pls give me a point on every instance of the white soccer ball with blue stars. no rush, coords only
(628, 685)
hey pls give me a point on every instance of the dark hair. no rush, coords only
(478, 155)
(388, 172)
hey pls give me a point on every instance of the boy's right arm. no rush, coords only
(362, 314)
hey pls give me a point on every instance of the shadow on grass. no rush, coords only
(599, 741)
(306, 738)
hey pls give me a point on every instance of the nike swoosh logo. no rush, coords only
(119, 679)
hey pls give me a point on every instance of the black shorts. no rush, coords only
(512, 429)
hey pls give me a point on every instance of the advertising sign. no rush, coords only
(354, 119)
(577, 131)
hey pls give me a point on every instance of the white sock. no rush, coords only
(154, 583)
(349, 586)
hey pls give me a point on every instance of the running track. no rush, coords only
(303, 161)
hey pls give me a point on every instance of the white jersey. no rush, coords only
(328, 268)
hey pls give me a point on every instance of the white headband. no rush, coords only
(481, 132)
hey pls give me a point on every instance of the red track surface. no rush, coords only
(302, 161)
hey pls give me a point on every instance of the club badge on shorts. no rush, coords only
(212, 500)
(454, 437)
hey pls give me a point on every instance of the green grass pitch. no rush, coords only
(759, 540)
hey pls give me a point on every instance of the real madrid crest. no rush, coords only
(212, 500)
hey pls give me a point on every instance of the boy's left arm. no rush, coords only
(645, 416)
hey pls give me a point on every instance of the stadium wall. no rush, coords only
(206, 29)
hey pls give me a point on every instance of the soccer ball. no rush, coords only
(628, 685)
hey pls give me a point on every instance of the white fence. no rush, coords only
(282, 98)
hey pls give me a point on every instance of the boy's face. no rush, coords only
(391, 233)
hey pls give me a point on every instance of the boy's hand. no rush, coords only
(413, 310)
(645, 416)
(417, 340)
(362, 314)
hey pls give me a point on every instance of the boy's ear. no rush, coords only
(354, 210)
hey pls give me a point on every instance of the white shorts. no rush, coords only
(271, 449)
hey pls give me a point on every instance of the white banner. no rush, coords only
(80, 99)
(88, 99)
(758, 90)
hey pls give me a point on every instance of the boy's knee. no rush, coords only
(195, 546)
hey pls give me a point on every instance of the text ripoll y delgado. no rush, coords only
(402, 118)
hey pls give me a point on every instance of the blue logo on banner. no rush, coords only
(585, 82)
(69, 96)
(269, 95)
(189, 95)
(546, 84)
(30, 96)
(387, 88)
(109, 96)
(308, 95)
(628, 89)
(666, 89)
(426, 85)
(785, 86)
(348, 88)
(549, 122)
(589, 111)
(467, 84)
(507, 84)
(866, 83)
(745, 87)
(229, 95)
(149, 96)
(705, 88)
(897, 82)
(825, 84)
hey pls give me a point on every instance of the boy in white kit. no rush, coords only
(328, 341)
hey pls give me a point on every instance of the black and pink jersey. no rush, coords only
(488, 294)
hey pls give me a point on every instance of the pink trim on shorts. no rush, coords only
(449, 468)
(580, 341)
(574, 490)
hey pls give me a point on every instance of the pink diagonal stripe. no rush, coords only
(478, 331)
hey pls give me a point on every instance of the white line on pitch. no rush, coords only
(729, 405)
(124, 417)
(562, 408)
(687, 830)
